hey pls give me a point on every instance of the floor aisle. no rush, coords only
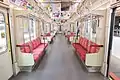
(115, 65)
(59, 64)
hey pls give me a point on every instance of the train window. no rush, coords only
(26, 31)
(32, 29)
(3, 38)
(29, 31)
(117, 26)
(94, 25)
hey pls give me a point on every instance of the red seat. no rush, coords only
(26, 48)
(82, 52)
(37, 53)
(85, 46)
(36, 57)
(76, 45)
(93, 48)
(48, 34)
(81, 41)
(34, 44)
(42, 46)
(35, 47)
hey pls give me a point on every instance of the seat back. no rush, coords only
(36, 42)
(93, 47)
(48, 34)
(85, 43)
(81, 40)
(26, 47)
(30, 46)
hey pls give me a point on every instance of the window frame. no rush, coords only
(5, 34)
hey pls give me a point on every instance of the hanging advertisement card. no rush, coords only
(16, 2)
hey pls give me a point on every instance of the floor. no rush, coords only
(115, 65)
(59, 63)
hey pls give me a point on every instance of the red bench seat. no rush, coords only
(82, 52)
(76, 45)
(86, 47)
(35, 47)
(70, 35)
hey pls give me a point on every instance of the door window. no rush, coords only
(3, 38)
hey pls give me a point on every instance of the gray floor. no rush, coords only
(60, 63)
(115, 65)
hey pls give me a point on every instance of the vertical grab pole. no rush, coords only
(44, 34)
(77, 33)
(110, 39)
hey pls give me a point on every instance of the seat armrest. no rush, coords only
(22, 45)
(96, 45)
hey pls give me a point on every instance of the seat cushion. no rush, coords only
(34, 44)
(85, 44)
(38, 41)
(36, 57)
(48, 34)
(93, 47)
(43, 45)
(82, 52)
(26, 48)
(81, 40)
(38, 52)
(76, 45)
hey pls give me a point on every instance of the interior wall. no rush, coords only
(106, 41)
(12, 28)
(18, 27)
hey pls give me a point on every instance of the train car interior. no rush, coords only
(59, 39)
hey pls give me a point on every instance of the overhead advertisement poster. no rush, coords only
(22, 3)
(16, 2)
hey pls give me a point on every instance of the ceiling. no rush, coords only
(59, 9)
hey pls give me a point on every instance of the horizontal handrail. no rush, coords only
(96, 45)
(18, 45)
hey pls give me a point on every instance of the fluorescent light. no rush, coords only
(11, 6)
(18, 8)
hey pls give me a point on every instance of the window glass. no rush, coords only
(32, 29)
(3, 38)
(26, 31)
(29, 30)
